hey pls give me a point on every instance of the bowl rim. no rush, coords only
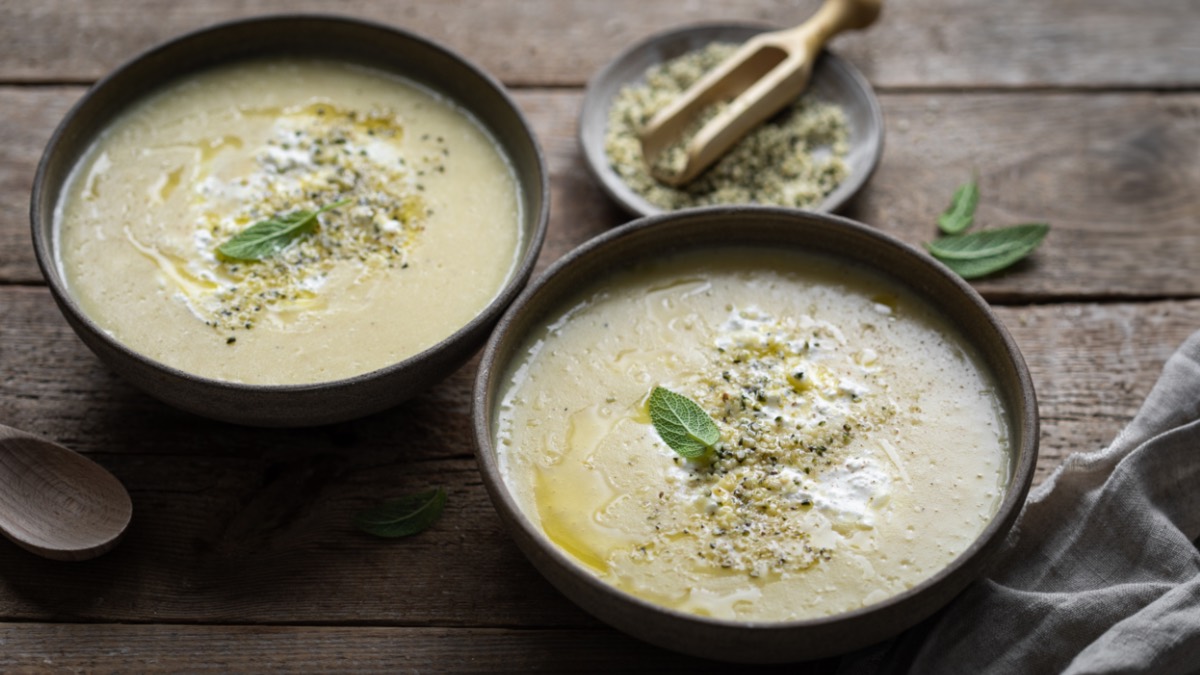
(44, 244)
(636, 205)
(492, 373)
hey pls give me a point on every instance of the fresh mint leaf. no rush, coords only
(681, 423)
(986, 243)
(404, 516)
(267, 237)
(961, 213)
(981, 267)
(978, 254)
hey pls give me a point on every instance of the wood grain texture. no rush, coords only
(233, 524)
(27, 119)
(917, 43)
(57, 503)
(1093, 365)
(1114, 174)
(181, 648)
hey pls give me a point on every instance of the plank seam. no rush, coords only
(893, 89)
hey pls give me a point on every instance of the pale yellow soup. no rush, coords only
(862, 446)
(428, 236)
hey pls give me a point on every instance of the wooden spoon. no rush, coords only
(768, 72)
(55, 502)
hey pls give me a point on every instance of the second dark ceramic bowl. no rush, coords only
(774, 229)
(388, 49)
(833, 80)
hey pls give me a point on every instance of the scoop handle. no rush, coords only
(833, 17)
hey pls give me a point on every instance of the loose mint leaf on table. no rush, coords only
(985, 243)
(267, 237)
(981, 253)
(961, 213)
(404, 516)
(681, 423)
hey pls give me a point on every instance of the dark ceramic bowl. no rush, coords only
(833, 80)
(381, 47)
(723, 227)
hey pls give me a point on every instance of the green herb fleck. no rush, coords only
(961, 213)
(404, 516)
(681, 423)
(980, 253)
(267, 237)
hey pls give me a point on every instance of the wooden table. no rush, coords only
(242, 555)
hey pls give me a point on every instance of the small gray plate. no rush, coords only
(834, 80)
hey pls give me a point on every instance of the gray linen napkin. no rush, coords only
(1100, 574)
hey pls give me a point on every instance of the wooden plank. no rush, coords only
(29, 118)
(165, 648)
(1114, 175)
(1093, 365)
(917, 43)
(233, 524)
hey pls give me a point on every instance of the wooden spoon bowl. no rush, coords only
(57, 503)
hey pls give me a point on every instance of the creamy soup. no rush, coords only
(418, 226)
(862, 445)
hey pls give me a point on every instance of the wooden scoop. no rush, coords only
(768, 72)
(55, 502)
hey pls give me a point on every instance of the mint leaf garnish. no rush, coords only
(981, 253)
(961, 213)
(988, 243)
(681, 423)
(267, 237)
(976, 254)
(403, 516)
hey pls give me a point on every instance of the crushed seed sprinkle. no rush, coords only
(790, 397)
(795, 159)
(318, 155)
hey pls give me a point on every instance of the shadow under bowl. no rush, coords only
(387, 49)
(718, 228)
(834, 80)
